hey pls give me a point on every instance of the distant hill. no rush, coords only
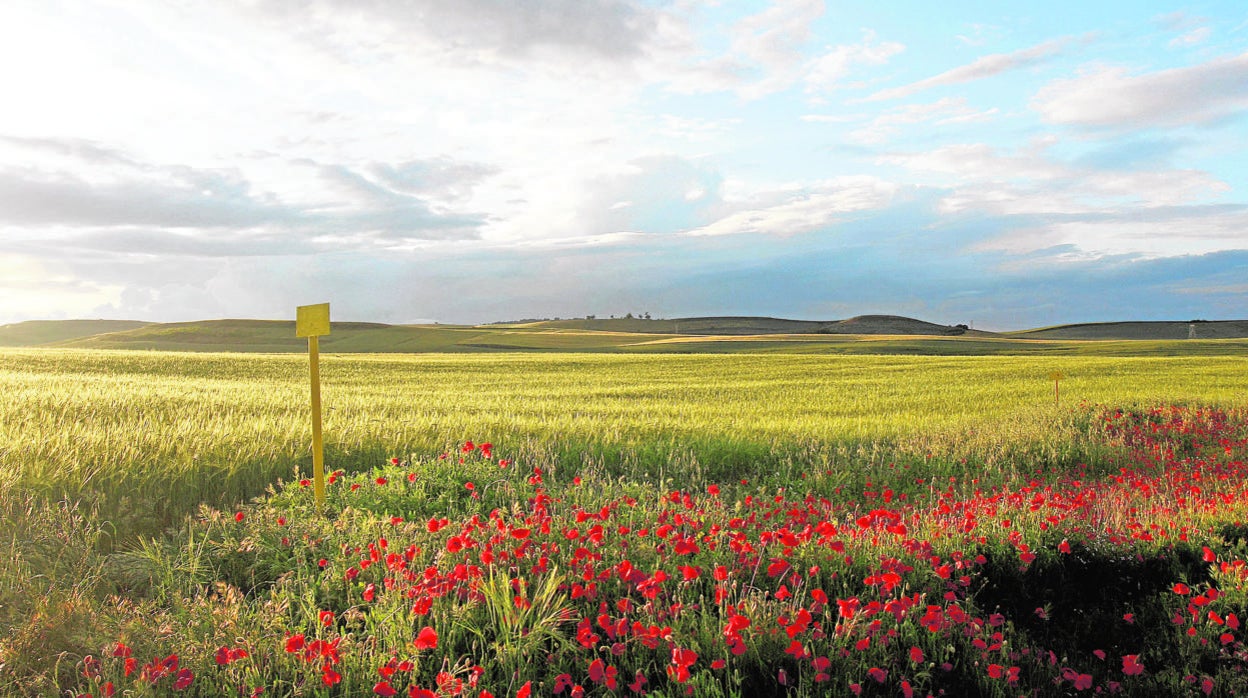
(42, 332)
(739, 326)
(865, 334)
(278, 336)
(1200, 329)
(898, 325)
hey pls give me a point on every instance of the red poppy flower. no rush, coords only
(427, 639)
(1131, 665)
(329, 677)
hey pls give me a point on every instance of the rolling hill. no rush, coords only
(731, 326)
(45, 332)
(1198, 329)
(866, 334)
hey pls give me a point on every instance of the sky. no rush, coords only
(1003, 164)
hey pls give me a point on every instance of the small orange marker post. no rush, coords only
(312, 321)
(1056, 377)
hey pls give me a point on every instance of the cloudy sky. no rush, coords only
(1006, 164)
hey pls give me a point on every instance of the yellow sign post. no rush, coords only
(312, 321)
(1056, 377)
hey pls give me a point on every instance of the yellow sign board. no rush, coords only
(312, 320)
(1056, 376)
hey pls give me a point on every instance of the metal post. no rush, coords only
(318, 457)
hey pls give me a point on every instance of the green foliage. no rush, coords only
(107, 454)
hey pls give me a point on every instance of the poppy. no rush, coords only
(427, 639)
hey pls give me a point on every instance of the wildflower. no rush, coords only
(1131, 665)
(427, 639)
(227, 655)
(329, 677)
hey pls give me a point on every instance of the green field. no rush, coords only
(106, 454)
(217, 428)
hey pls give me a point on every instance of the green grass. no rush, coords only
(104, 451)
(149, 435)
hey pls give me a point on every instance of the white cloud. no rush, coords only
(474, 30)
(769, 52)
(30, 289)
(830, 118)
(765, 53)
(1031, 181)
(980, 68)
(1109, 97)
(949, 110)
(111, 200)
(1171, 233)
(1194, 37)
(830, 70)
(979, 162)
(819, 206)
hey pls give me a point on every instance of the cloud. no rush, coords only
(474, 30)
(56, 294)
(829, 70)
(765, 53)
(117, 202)
(1034, 201)
(656, 194)
(175, 197)
(1170, 232)
(441, 177)
(949, 110)
(1031, 179)
(980, 68)
(1194, 37)
(770, 52)
(816, 207)
(1192, 30)
(1108, 97)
